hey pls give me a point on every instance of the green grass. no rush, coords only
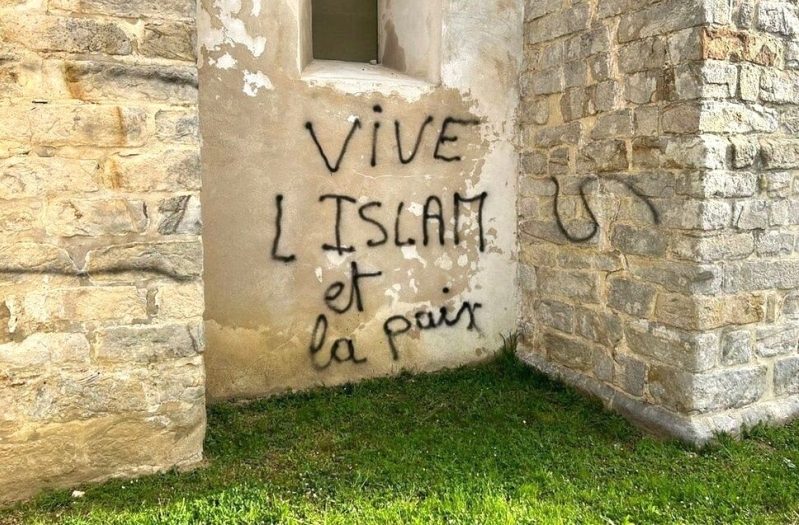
(493, 444)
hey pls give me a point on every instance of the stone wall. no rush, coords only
(101, 297)
(657, 218)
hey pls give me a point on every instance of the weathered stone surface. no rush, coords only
(170, 170)
(631, 297)
(661, 18)
(630, 374)
(761, 275)
(88, 125)
(736, 348)
(569, 284)
(73, 35)
(180, 216)
(40, 350)
(147, 344)
(166, 9)
(685, 350)
(600, 327)
(100, 81)
(569, 352)
(183, 301)
(178, 126)
(639, 241)
(42, 307)
(133, 262)
(780, 153)
(556, 315)
(31, 176)
(94, 218)
(679, 277)
(777, 340)
(786, 376)
(702, 393)
(172, 40)
(708, 313)
(29, 257)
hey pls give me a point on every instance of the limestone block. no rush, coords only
(15, 126)
(41, 308)
(558, 23)
(587, 44)
(548, 81)
(21, 215)
(630, 373)
(775, 243)
(72, 35)
(569, 284)
(761, 275)
(751, 215)
(785, 212)
(88, 125)
(685, 350)
(708, 313)
(558, 135)
(771, 341)
(631, 297)
(728, 117)
(167, 171)
(171, 40)
(703, 279)
(180, 216)
(538, 8)
(698, 215)
(569, 352)
(147, 344)
(736, 347)
(716, 248)
(778, 17)
(603, 156)
(132, 262)
(178, 126)
(164, 9)
(681, 118)
(659, 19)
(557, 315)
(29, 257)
(639, 241)
(786, 376)
(641, 55)
(32, 176)
(102, 81)
(782, 153)
(42, 349)
(96, 217)
(781, 87)
(600, 327)
(689, 393)
(641, 87)
(744, 151)
(183, 301)
(613, 125)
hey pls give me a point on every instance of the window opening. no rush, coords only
(345, 30)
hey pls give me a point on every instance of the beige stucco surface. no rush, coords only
(266, 289)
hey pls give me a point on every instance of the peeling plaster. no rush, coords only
(233, 31)
(253, 82)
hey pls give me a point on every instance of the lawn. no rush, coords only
(492, 444)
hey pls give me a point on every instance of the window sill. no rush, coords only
(356, 78)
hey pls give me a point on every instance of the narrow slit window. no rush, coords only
(345, 30)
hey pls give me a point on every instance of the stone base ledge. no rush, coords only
(696, 430)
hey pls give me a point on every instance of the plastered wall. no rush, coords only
(358, 221)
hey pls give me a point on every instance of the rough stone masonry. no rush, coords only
(101, 297)
(659, 207)
(658, 212)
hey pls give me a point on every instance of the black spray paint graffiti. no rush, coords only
(445, 137)
(347, 296)
(433, 223)
(594, 222)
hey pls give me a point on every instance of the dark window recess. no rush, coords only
(345, 30)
